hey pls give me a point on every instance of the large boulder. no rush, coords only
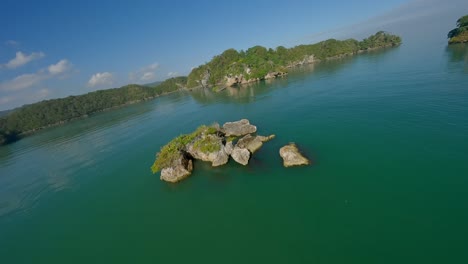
(252, 143)
(180, 169)
(239, 128)
(291, 156)
(240, 155)
(208, 148)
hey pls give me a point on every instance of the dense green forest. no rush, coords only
(32, 117)
(258, 61)
(460, 33)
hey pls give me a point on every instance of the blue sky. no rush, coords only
(51, 49)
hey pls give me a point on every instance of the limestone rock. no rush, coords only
(181, 169)
(241, 155)
(292, 157)
(252, 143)
(239, 128)
(228, 148)
(266, 138)
(217, 158)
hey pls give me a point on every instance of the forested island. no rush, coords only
(230, 68)
(460, 33)
(257, 63)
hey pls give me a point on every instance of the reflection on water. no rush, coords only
(50, 160)
(251, 92)
(458, 53)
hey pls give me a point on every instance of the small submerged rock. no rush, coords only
(291, 156)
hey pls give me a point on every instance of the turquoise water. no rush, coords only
(387, 132)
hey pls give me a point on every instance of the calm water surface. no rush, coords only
(387, 132)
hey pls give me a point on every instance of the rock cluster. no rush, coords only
(216, 148)
(215, 144)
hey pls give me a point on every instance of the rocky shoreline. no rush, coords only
(237, 140)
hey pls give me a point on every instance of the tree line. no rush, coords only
(29, 118)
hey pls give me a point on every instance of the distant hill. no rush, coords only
(153, 84)
(30, 118)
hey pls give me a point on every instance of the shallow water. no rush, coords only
(387, 132)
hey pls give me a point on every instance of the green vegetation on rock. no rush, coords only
(460, 33)
(172, 150)
(258, 61)
(30, 118)
(207, 144)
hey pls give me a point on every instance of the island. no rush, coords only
(258, 63)
(460, 33)
(216, 144)
(230, 68)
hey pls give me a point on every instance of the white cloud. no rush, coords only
(60, 67)
(173, 74)
(145, 74)
(148, 76)
(22, 59)
(30, 79)
(23, 81)
(100, 78)
(12, 43)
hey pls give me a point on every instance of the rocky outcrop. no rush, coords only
(252, 143)
(205, 78)
(240, 155)
(209, 148)
(292, 157)
(239, 128)
(181, 169)
(272, 75)
(211, 144)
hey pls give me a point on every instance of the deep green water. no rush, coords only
(387, 132)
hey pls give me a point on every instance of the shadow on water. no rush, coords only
(458, 54)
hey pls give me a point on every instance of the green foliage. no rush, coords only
(170, 152)
(460, 33)
(207, 145)
(42, 114)
(260, 60)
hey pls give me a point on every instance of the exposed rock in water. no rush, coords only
(265, 139)
(228, 147)
(239, 128)
(252, 143)
(209, 148)
(208, 143)
(291, 156)
(181, 169)
(240, 155)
